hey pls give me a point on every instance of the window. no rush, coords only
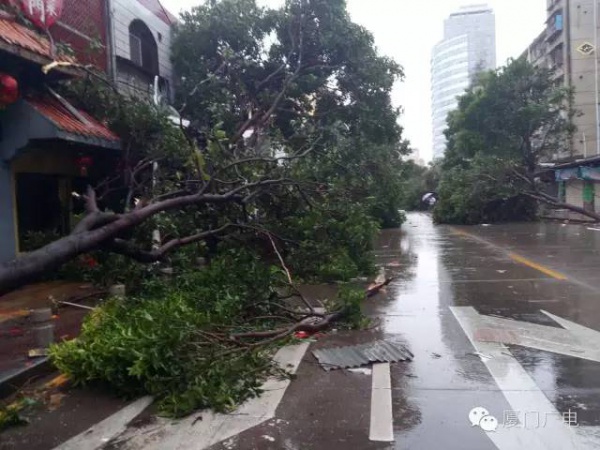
(135, 43)
(143, 48)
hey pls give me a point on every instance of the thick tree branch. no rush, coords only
(130, 250)
(31, 265)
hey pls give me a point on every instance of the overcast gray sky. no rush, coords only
(406, 30)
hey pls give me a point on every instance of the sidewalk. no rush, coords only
(16, 338)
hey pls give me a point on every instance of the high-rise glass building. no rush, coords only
(468, 47)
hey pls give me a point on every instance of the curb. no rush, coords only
(12, 381)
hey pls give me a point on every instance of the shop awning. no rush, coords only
(578, 173)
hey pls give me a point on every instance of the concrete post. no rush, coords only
(42, 327)
(7, 220)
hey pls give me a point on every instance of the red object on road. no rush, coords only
(43, 13)
(16, 331)
(301, 334)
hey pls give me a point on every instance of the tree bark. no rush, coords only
(544, 198)
(100, 228)
(538, 195)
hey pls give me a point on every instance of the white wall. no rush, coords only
(123, 13)
(575, 192)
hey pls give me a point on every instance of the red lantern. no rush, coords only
(43, 13)
(84, 163)
(9, 90)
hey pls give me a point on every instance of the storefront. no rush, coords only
(49, 149)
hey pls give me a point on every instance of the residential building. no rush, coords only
(48, 147)
(130, 40)
(140, 31)
(468, 47)
(568, 46)
(82, 26)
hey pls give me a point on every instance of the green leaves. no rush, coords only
(157, 343)
(508, 121)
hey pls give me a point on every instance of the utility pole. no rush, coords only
(597, 77)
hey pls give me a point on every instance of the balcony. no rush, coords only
(558, 72)
(555, 26)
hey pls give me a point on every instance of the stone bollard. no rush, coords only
(117, 290)
(42, 327)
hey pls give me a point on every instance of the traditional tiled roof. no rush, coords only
(68, 122)
(20, 40)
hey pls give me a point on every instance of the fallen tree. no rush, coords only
(281, 129)
(507, 124)
(204, 339)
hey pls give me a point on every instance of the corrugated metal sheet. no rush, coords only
(67, 122)
(361, 355)
(18, 35)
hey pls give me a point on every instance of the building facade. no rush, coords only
(468, 47)
(140, 32)
(568, 46)
(48, 147)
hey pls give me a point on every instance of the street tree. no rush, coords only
(506, 124)
(290, 114)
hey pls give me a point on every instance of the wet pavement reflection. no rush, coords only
(441, 267)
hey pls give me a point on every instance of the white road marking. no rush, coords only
(572, 340)
(98, 435)
(203, 429)
(381, 428)
(522, 394)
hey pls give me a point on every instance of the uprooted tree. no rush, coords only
(291, 128)
(507, 123)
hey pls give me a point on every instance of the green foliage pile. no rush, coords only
(171, 340)
(483, 192)
(160, 342)
(506, 123)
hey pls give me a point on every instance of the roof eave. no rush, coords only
(88, 140)
(37, 58)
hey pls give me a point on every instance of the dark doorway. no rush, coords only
(42, 205)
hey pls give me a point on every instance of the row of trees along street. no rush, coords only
(290, 165)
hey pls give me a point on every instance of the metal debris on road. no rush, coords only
(361, 355)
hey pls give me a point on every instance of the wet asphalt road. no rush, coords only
(512, 271)
(475, 266)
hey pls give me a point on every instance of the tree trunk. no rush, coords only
(30, 266)
(544, 198)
